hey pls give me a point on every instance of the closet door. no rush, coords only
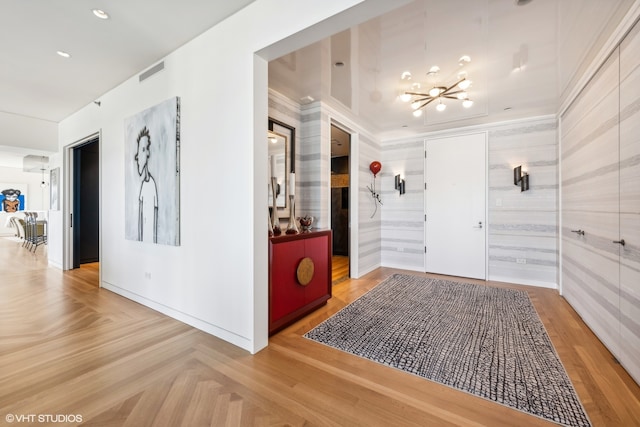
(630, 202)
(590, 204)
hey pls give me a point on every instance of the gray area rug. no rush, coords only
(483, 340)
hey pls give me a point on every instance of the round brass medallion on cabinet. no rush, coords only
(305, 271)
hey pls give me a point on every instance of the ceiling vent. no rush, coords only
(32, 163)
(151, 71)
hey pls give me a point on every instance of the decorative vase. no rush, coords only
(292, 228)
(275, 221)
(305, 223)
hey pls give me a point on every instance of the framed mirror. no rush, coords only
(281, 153)
(278, 168)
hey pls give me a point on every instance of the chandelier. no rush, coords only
(438, 92)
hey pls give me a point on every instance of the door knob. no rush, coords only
(621, 241)
(479, 225)
(580, 232)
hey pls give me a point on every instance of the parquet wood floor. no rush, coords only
(69, 348)
(339, 268)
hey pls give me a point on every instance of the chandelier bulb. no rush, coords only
(434, 91)
(438, 91)
(464, 85)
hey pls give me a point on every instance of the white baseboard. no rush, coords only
(54, 265)
(419, 268)
(517, 281)
(235, 339)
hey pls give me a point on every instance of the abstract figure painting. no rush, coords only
(152, 174)
(54, 184)
(12, 197)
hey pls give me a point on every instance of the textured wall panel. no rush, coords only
(590, 273)
(369, 240)
(601, 196)
(523, 226)
(403, 216)
(313, 161)
(630, 202)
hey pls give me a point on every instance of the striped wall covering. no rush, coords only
(590, 272)
(600, 152)
(314, 146)
(284, 110)
(369, 234)
(403, 216)
(313, 153)
(523, 226)
(630, 202)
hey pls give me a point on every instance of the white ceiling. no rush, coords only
(496, 34)
(38, 88)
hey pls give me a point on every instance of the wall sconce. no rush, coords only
(400, 184)
(520, 178)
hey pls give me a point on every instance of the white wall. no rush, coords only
(217, 279)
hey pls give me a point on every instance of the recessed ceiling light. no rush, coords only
(63, 54)
(464, 59)
(100, 14)
(306, 100)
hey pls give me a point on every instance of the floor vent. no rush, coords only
(151, 71)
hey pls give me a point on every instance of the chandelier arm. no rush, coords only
(455, 92)
(427, 103)
(446, 91)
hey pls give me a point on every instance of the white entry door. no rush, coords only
(455, 197)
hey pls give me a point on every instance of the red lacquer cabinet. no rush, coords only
(299, 276)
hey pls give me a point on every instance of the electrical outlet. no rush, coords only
(521, 260)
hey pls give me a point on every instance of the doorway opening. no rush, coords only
(84, 218)
(340, 178)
